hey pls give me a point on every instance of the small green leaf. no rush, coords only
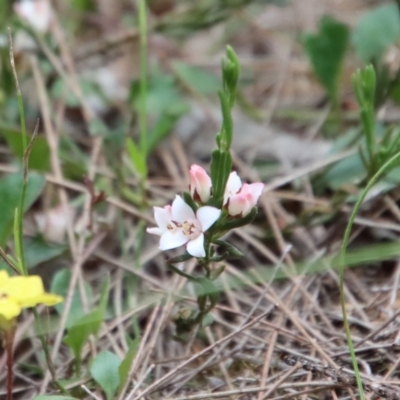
(138, 159)
(59, 286)
(79, 333)
(105, 371)
(37, 251)
(221, 164)
(230, 73)
(126, 363)
(224, 138)
(181, 258)
(207, 320)
(326, 51)
(10, 189)
(232, 250)
(348, 171)
(39, 158)
(376, 30)
(164, 125)
(198, 79)
(163, 95)
(228, 224)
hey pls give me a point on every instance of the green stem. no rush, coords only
(143, 76)
(346, 238)
(24, 147)
(46, 351)
(181, 273)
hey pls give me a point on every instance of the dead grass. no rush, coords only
(270, 338)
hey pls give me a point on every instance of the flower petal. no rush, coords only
(255, 189)
(181, 211)
(200, 183)
(171, 240)
(162, 217)
(9, 309)
(3, 278)
(237, 204)
(207, 215)
(24, 289)
(154, 231)
(195, 247)
(232, 186)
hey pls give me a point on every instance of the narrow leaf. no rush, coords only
(126, 363)
(138, 159)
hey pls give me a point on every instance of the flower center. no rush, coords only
(191, 228)
(173, 227)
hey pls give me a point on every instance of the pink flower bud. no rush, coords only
(242, 203)
(200, 183)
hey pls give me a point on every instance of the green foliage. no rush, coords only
(203, 14)
(60, 91)
(105, 371)
(326, 51)
(197, 79)
(377, 151)
(126, 363)
(59, 285)
(83, 5)
(165, 104)
(221, 164)
(38, 251)
(10, 189)
(364, 83)
(79, 332)
(89, 324)
(137, 157)
(221, 160)
(376, 30)
(349, 171)
(39, 158)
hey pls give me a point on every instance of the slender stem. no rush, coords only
(47, 354)
(181, 273)
(143, 77)
(24, 147)
(8, 343)
(342, 264)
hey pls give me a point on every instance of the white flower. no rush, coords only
(179, 225)
(241, 198)
(233, 185)
(243, 202)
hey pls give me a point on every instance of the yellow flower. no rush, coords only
(18, 292)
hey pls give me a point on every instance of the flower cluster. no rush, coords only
(180, 225)
(18, 292)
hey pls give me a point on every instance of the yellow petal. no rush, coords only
(24, 289)
(9, 309)
(28, 291)
(48, 299)
(3, 279)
